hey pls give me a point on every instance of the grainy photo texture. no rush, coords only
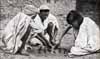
(49, 29)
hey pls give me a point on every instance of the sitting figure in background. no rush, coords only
(86, 32)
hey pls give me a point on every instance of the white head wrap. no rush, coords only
(30, 9)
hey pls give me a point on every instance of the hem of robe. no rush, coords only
(79, 51)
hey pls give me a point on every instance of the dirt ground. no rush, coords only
(47, 56)
(9, 8)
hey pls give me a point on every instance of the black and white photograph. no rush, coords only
(49, 29)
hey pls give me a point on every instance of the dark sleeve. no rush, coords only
(65, 32)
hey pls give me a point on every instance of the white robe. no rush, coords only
(88, 39)
(14, 31)
(41, 26)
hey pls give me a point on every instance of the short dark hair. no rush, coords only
(45, 10)
(74, 15)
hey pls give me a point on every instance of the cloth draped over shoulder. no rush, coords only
(88, 39)
(14, 31)
(41, 26)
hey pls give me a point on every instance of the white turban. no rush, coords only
(30, 9)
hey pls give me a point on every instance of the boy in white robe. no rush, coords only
(47, 26)
(87, 38)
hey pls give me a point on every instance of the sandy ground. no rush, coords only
(47, 56)
(60, 9)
